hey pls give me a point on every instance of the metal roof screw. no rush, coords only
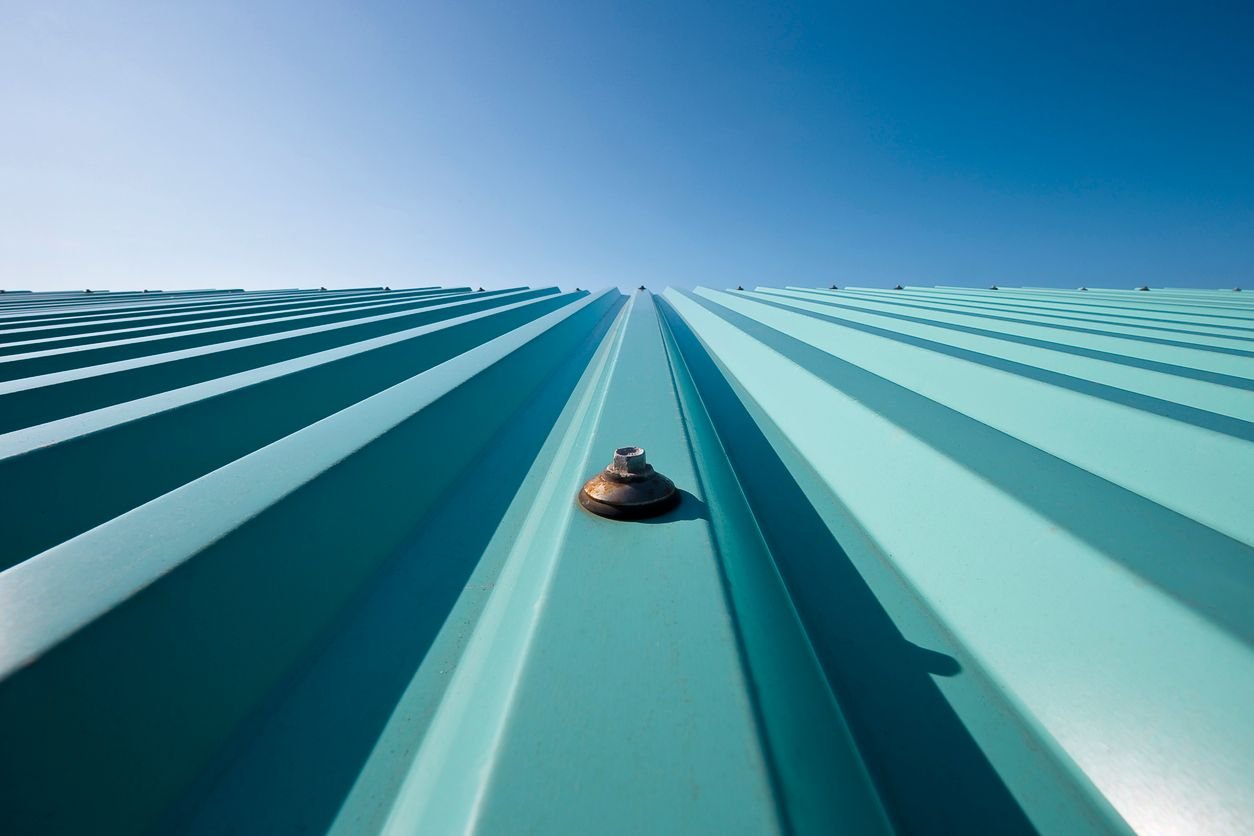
(629, 488)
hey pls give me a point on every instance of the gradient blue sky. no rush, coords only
(280, 144)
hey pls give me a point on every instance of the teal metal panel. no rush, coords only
(1058, 533)
(946, 560)
(80, 330)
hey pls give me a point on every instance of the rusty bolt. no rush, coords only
(629, 488)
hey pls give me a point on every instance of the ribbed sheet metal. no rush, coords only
(947, 560)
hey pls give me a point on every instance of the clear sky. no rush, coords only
(588, 144)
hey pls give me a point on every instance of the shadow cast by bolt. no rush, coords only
(689, 508)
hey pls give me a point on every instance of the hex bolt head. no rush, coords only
(629, 460)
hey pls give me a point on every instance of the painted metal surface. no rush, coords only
(945, 560)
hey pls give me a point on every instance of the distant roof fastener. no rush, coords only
(629, 488)
(740, 287)
(640, 288)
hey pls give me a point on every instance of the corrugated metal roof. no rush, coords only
(946, 560)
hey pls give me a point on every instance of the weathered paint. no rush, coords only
(946, 560)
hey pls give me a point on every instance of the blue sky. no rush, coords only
(592, 144)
